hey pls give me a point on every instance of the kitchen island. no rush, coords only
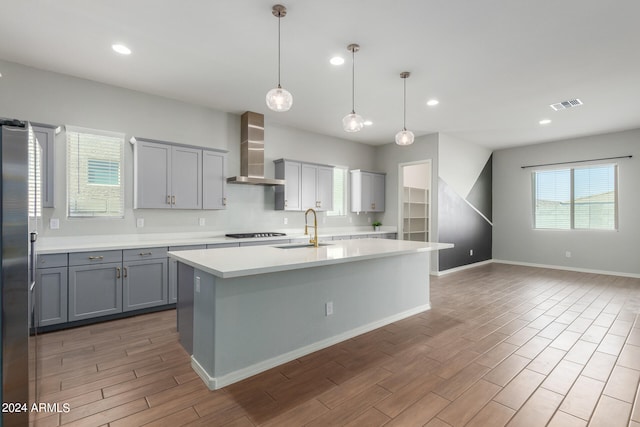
(254, 308)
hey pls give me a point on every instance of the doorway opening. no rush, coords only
(415, 201)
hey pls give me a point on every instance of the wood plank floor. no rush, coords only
(503, 345)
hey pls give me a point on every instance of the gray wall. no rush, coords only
(387, 160)
(46, 97)
(514, 238)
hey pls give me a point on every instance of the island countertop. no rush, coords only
(251, 260)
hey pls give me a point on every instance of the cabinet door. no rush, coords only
(366, 192)
(186, 178)
(95, 290)
(144, 284)
(213, 180)
(152, 175)
(287, 196)
(51, 295)
(377, 193)
(325, 188)
(309, 185)
(46, 139)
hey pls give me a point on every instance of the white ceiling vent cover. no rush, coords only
(566, 104)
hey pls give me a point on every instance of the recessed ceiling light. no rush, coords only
(368, 122)
(337, 60)
(544, 121)
(121, 49)
(433, 102)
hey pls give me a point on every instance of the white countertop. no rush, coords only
(52, 245)
(250, 260)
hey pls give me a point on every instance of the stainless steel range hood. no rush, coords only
(252, 152)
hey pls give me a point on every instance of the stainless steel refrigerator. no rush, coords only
(15, 281)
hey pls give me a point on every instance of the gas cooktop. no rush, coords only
(252, 235)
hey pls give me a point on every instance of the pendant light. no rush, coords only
(404, 137)
(279, 99)
(353, 122)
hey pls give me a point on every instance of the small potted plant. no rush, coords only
(376, 225)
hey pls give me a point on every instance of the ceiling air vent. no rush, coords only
(566, 104)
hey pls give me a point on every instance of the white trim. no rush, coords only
(562, 267)
(462, 267)
(214, 383)
(209, 381)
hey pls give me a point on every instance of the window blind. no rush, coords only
(577, 198)
(339, 192)
(34, 181)
(94, 173)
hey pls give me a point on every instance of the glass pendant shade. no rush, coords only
(352, 122)
(279, 99)
(404, 137)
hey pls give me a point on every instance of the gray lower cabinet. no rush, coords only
(95, 290)
(144, 284)
(51, 295)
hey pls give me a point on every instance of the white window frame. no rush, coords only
(572, 199)
(72, 135)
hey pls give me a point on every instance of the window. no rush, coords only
(339, 192)
(577, 198)
(94, 173)
(35, 195)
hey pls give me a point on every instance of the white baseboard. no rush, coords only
(462, 267)
(214, 383)
(562, 267)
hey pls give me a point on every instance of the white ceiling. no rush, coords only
(495, 65)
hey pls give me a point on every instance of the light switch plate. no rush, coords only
(140, 222)
(54, 223)
(201, 221)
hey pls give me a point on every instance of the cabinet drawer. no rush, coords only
(187, 248)
(94, 257)
(52, 260)
(223, 245)
(144, 253)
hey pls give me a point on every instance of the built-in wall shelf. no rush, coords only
(415, 225)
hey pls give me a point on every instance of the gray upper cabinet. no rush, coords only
(174, 176)
(214, 183)
(186, 178)
(46, 138)
(152, 175)
(288, 196)
(367, 191)
(308, 185)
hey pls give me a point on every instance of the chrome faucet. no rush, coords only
(313, 240)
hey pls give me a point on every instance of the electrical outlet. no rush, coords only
(369, 219)
(324, 219)
(286, 221)
(470, 252)
(197, 284)
(567, 254)
(350, 220)
(140, 222)
(201, 221)
(328, 308)
(54, 223)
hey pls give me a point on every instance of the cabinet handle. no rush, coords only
(125, 272)
(145, 253)
(168, 199)
(173, 200)
(117, 272)
(93, 258)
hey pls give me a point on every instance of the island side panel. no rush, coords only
(265, 320)
(184, 306)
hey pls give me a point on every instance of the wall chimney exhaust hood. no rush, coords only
(252, 152)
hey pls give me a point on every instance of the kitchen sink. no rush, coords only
(302, 245)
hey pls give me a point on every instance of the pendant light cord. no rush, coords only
(353, 81)
(279, 18)
(404, 107)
